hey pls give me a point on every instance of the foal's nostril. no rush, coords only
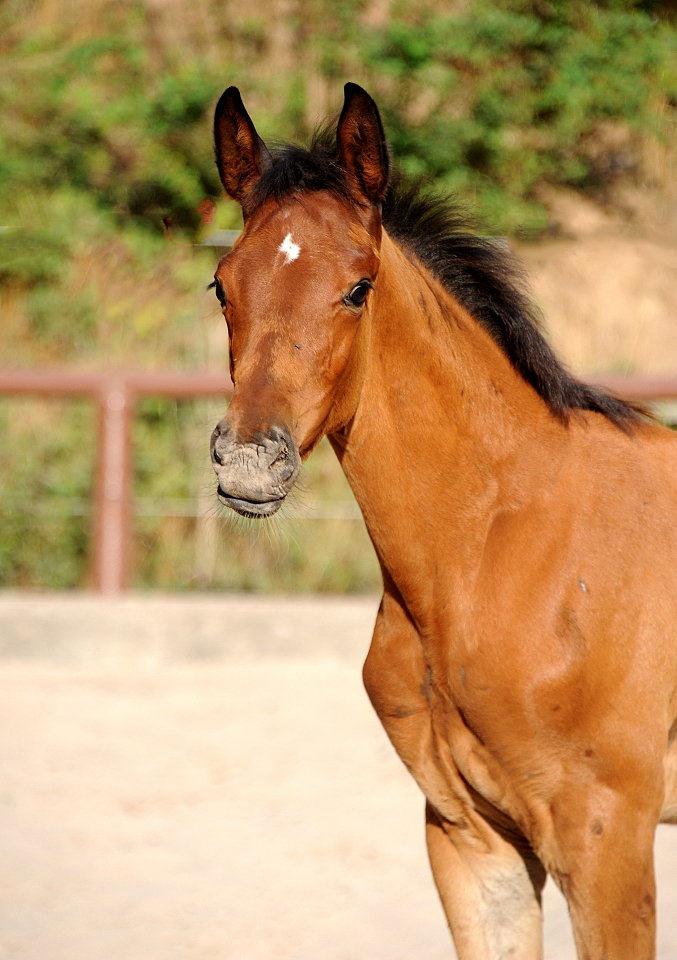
(220, 430)
(282, 455)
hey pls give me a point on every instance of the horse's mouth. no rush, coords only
(252, 509)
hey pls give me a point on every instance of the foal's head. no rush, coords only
(295, 293)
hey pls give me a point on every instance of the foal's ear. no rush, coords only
(361, 143)
(241, 154)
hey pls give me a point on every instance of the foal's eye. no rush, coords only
(358, 294)
(218, 290)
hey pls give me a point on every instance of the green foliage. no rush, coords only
(32, 258)
(101, 119)
(70, 322)
(46, 466)
(489, 101)
(492, 101)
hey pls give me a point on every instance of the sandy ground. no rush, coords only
(242, 805)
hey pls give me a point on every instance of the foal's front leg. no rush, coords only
(604, 865)
(489, 890)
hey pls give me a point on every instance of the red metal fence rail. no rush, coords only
(116, 392)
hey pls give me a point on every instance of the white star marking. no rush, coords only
(290, 249)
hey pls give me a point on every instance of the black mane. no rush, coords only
(477, 271)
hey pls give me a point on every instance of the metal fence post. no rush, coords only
(113, 514)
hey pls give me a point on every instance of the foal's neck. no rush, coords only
(432, 367)
(445, 428)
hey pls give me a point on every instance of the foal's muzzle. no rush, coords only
(255, 475)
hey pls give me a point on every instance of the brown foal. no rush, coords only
(524, 660)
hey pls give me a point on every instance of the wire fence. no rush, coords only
(113, 507)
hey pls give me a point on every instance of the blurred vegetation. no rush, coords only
(490, 101)
(504, 97)
(106, 156)
(45, 470)
(293, 552)
(47, 458)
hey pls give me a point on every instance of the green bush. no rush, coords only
(32, 258)
(67, 321)
(46, 467)
(496, 99)
(100, 119)
(489, 101)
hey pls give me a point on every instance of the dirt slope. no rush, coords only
(607, 288)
